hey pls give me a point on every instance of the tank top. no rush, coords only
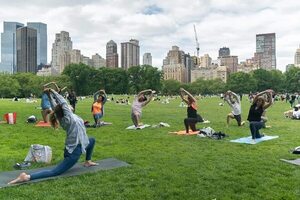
(97, 108)
(192, 111)
(255, 114)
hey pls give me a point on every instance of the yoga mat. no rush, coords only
(105, 123)
(184, 133)
(141, 127)
(43, 124)
(295, 162)
(78, 169)
(248, 140)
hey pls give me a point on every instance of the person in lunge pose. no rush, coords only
(259, 105)
(100, 98)
(76, 143)
(140, 101)
(234, 102)
(192, 116)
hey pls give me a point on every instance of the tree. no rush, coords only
(170, 87)
(81, 77)
(263, 79)
(10, 87)
(241, 82)
(144, 77)
(292, 79)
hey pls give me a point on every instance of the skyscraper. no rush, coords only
(266, 50)
(224, 51)
(61, 45)
(26, 44)
(130, 54)
(174, 66)
(41, 41)
(147, 59)
(297, 58)
(112, 56)
(8, 46)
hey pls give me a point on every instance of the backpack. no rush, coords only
(296, 150)
(218, 135)
(32, 119)
(39, 153)
(208, 131)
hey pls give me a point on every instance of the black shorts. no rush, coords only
(238, 118)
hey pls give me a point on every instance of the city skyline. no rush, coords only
(160, 25)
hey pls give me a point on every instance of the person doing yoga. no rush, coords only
(192, 116)
(259, 105)
(234, 102)
(76, 143)
(140, 101)
(100, 98)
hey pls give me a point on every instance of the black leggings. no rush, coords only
(191, 122)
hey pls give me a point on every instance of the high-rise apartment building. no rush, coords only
(297, 58)
(266, 51)
(147, 59)
(8, 47)
(205, 61)
(130, 54)
(174, 66)
(112, 57)
(224, 51)
(41, 29)
(75, 56)
(231, 62)
(26, 45)
(61, 45)
(98, 61)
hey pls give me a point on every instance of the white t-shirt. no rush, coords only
(296, 114)
(236, 108)
(136, 107)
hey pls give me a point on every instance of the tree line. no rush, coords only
(85, 80)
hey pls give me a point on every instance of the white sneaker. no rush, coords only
(201, 135)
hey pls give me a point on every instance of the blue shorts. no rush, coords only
(98, 116)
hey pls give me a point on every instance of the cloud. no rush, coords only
(159, 25)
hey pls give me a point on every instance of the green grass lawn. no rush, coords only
(163, 165)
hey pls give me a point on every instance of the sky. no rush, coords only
(159, 25)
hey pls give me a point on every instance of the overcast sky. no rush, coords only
(158, 24)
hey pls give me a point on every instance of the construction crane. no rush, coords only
(197, 43)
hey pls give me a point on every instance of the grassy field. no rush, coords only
(163, 165)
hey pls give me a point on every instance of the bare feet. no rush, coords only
(23, 177)
(89, 163)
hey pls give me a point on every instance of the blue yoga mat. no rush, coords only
(248, 140)
(78, 169)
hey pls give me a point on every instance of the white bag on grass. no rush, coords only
(39, 153)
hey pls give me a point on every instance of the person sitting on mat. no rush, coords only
(234, 102)
(140, 101)
(76, 143)
(100, 98)
(256, 111)
(192, 116)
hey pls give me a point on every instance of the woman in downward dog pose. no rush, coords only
(76, 143)
(192, 116)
